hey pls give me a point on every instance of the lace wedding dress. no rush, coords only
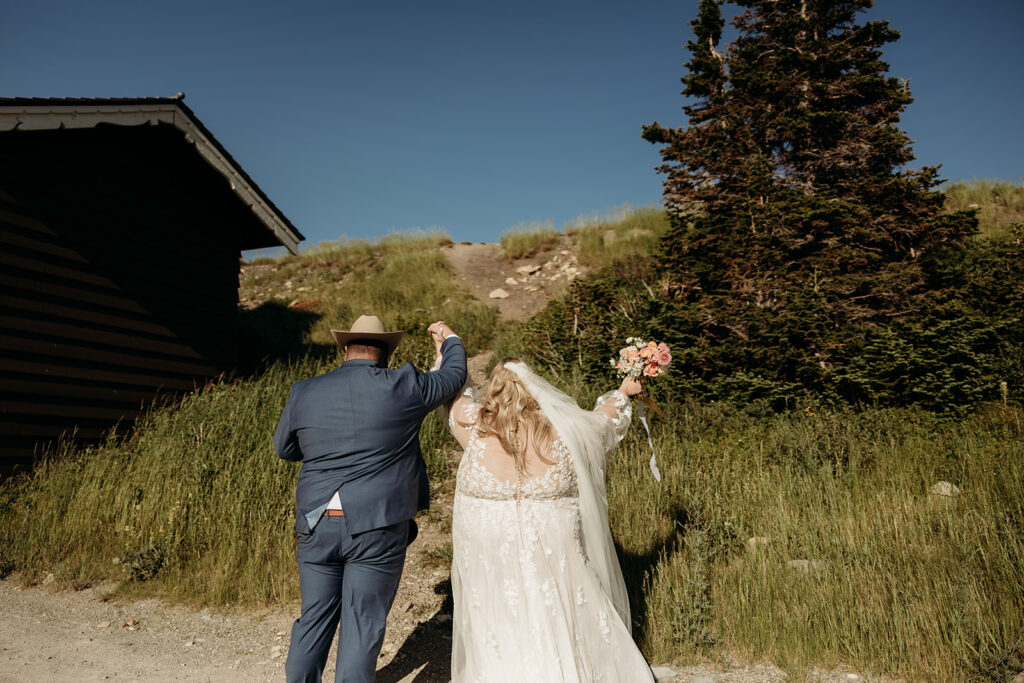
(529, 605)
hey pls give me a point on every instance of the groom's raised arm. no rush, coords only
(440, 385)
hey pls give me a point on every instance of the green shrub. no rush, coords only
(941, 365)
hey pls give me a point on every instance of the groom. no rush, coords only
(356, 431)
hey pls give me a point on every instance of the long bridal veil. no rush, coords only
(589, 439)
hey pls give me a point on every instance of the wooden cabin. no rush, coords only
(121, 227)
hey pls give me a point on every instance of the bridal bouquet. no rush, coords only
(643, 360)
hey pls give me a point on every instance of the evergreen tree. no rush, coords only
(795, 226)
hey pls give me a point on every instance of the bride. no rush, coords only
(537, 588)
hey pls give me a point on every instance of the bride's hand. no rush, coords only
(438, 331)
(630, 386)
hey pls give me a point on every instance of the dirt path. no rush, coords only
(84, 636)
(88, 636)
(527, 283)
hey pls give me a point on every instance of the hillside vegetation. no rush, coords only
(809, 537)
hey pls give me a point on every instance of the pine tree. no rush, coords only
(795, 225)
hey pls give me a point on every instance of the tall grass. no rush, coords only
(194, 497)
(403, 278)
(598, 239)
(898, 581)
(196, 487)
(623, 234)
(528, 239)
(999, 204)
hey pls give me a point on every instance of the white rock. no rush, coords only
(664, 673)
(1019, 678)
(498, 294)
(757, 542)
(48, 580)
(511, 281)
(275, 652)
(528, 269)
(944, 488)
(532, 288)
(806, 566)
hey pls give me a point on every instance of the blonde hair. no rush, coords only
(506, 408)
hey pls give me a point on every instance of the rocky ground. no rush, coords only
(520, 287)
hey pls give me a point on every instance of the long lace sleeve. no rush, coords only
(617, 409)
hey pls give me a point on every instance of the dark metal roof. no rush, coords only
(48, 113)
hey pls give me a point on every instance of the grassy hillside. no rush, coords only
(999, 204)
(193, 505)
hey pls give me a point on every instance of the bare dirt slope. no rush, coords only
(528, 282)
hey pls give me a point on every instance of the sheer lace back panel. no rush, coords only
(487, 471)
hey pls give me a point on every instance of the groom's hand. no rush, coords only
(439, 331)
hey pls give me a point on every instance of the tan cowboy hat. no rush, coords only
(369, 327)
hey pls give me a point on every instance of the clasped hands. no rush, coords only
(438, 332)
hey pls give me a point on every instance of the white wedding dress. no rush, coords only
(529, 604)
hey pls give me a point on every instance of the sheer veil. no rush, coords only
(589, 438)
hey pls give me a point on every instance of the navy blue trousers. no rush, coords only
(351, 580)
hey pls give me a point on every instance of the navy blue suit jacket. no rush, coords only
(356, 431)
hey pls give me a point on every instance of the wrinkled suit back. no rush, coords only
(356, 431)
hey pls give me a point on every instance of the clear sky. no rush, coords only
(363, 118)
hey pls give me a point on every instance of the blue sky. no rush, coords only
(360, 119)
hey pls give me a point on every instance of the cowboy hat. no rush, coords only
(369, 327)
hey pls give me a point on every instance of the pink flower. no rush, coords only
(645, 352)
(632, 353)
(664, 357)
(651, 370)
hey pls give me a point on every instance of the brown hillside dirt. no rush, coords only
(485, 268)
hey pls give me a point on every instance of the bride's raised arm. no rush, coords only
(616, 408)
(462, 413)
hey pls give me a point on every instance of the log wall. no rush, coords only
(118, 279)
